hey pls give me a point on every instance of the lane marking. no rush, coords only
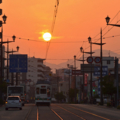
(90, 113)
(37, 114)
(57, 114)
(72, 113)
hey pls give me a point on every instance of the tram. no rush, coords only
(43, 92)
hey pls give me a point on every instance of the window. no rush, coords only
(40, 61)
(13, 98)
(40, 75)
(108, 61)
(40, 66)
(43, 91)
(37, 90)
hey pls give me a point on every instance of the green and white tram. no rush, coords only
(43, 93)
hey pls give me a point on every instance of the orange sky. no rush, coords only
(76, 20)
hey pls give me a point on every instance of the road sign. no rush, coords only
(18, 63)
(67, 71)
(97, 59)
(7, 80)
(77, 72)
(89, 59)
(97, 71)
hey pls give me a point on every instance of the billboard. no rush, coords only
(18, 63)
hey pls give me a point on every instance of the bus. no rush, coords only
(43, 92)
(16, 91)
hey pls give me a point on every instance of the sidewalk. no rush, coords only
(105, 106)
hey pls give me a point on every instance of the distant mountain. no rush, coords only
(106, 53)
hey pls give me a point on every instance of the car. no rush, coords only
(53, 100)
(13, 102)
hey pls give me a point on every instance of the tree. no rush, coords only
(59, 96)
(108, 86)
(3, 87)
(72, 93)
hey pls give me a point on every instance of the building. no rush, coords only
(36, 70)
(106, 61)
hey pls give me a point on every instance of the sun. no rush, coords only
(47, 36)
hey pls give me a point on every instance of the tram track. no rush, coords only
(28, 114)
(71, 112)
(81, 111)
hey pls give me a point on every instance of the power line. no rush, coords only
(53, 24)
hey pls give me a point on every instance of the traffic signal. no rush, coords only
(93, 90)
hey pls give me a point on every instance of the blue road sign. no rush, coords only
(18, 63)
(7, 80)
(97, 71)
(98, 86)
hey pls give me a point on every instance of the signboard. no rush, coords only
(7, 80)
(77, 72)
(97, 70)
(85, 79)
(97, 59)
(18, 63)
(89, 59)
(99, 87)
(67, 71)
(87, 68)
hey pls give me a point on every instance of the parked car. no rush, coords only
(13, 102)
(53, 100)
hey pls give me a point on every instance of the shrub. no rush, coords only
(108, 104)
(2, 102)
(100, 103)
(118, 107)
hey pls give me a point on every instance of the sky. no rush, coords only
(76, 20)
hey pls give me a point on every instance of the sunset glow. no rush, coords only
(47, 36)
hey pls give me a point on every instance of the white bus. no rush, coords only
(43, 93)
(16, 91)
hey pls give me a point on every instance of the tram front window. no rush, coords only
(37, 90)
(43, 91)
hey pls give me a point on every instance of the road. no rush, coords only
(60, 112)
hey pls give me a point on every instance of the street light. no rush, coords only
(8, 55)
(4, 18)
(116, 62)
(89, 40)
(101, 95)
(107, 21)
(81, 49)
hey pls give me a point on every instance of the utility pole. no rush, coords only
(75, 75)
(101, 94)
(117, 82)
(83, 77)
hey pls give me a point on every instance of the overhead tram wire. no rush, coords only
(53, 24)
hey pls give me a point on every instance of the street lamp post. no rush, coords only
(8, 59)
(69, 83)
(89, 40)
(8, 54)
(116, 62)
(101, 94)
(1, 36)
(1, 44)
(81, 49)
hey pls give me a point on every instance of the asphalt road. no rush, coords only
(60, 112)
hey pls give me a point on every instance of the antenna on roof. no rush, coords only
(109, 53)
